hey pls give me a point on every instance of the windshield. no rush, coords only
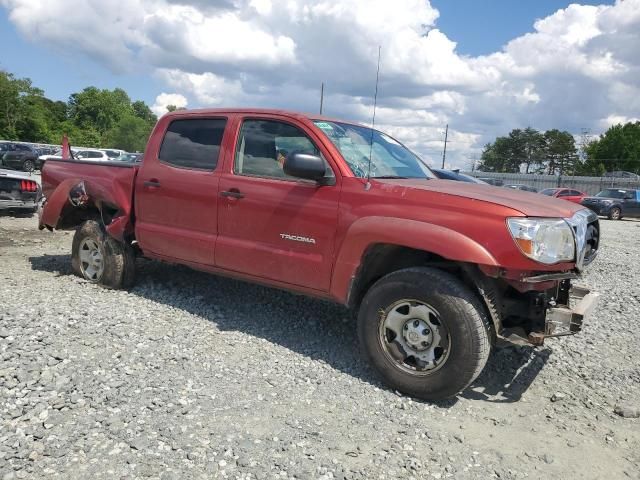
(612, 193)
(389, 158)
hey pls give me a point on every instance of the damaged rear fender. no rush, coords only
(76, 200)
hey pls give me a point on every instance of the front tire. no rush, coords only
(101, 259)
(615, 214)
(425, 333)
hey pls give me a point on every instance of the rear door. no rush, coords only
(271, 225)
(177, 190)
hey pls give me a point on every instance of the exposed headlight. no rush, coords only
(545, 240)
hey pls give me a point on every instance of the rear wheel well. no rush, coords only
(74, 216)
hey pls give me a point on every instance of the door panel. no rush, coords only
(176, 203)
(280, 230)
(274, 226)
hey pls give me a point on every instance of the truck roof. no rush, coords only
(257, 111)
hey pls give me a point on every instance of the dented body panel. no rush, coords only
(108, 185)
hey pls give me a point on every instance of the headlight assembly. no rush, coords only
(545, 240)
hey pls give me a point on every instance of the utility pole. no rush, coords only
(444, 152)
(321, 97)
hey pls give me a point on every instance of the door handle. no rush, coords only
(232, 193)
(152, 183)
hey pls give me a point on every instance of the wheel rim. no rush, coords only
(91, 260)
(615, 214)
(414, 338)
(28, 166)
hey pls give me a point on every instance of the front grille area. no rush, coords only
(592, 241)
(587, 231)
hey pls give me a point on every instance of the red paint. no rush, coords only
(186, 220)
(564, 194)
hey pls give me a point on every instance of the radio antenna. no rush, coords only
(373, 120)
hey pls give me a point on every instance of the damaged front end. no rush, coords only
(528, 307)
(530, 318)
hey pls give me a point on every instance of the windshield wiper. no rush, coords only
(392, 176)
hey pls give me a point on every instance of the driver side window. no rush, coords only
(263, 147)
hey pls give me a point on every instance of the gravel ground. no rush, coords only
(193, 376)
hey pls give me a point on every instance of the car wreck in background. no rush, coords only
(19, 192)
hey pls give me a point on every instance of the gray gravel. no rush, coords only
(194, 376)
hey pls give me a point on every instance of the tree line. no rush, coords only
(555, 152)
(92, 118)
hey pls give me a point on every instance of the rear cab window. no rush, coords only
(193, 143)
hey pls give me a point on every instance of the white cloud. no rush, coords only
(579, 67)
(165, 99)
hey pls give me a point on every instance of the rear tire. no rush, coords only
(28, 166)
(615, 214)
(401, 318)
(101, 259)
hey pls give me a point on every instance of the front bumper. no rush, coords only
(564, 320)
(559, 319)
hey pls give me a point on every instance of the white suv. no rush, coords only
(97, 155)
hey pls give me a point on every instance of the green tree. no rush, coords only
(142, 110)
(15, 97)
(508, 154)
(617, 149)
(98, 109)
(560, 152)
(130, 133)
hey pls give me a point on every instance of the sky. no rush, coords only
(482, 67)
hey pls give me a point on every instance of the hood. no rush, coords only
(527, 203)
(19, 175)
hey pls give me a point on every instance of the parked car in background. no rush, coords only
(455, 175)
(129, 157)
(496, 182)
(97, 155)
(18, 156)
(622, 174)
(18, 192)
(112, 153)
(56, 155)
(615, 203)
(524, 188)
(569, 194)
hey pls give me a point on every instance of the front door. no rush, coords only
(177, 192)
(271, 225)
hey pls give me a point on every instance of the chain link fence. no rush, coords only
(589, 185)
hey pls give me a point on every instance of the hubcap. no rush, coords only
(413, 336)
(91, 260)
(615, 213)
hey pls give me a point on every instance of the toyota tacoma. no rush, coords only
(438, 272)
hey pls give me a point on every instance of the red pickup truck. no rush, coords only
(439, 272)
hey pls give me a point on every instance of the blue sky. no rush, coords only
(578, 67)
(478, 26)
(483, 26)
(61, 73)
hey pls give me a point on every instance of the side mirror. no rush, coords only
(304, 165)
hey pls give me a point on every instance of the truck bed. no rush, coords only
(108, 185)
